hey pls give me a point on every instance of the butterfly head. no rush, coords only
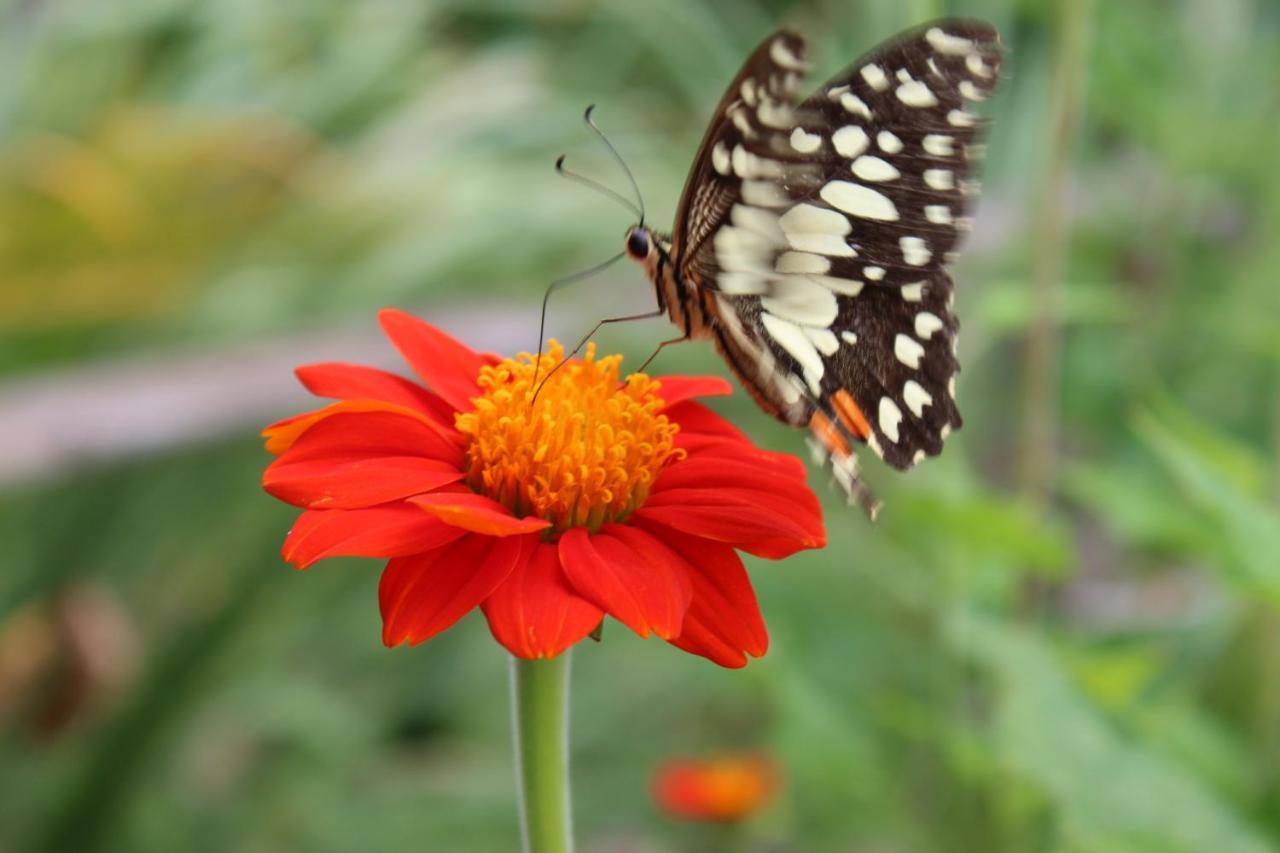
(640, 242)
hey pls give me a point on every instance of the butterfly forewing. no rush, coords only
(897, 147)
(816, 233)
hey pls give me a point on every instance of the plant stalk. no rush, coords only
(540, 722)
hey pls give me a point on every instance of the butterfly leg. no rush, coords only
(660, 348)
(648, 315)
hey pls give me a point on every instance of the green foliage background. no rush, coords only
(1098, 670)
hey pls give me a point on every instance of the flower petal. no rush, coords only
(350, 484)
(770, 481)
(343, 381)
(424, 594)
(535, 613)
(393, 530)
(699, 426)
(676, 389)
(763, 526)
(631, 575)
(477, 513)
(364, 422)
(449, 367)
(723, 623)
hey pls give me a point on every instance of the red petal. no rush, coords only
(356, 382)
(762, 526)
(742, 470)
(330, 484)
(477, 513)
(703, 426)
(535, 613)
(351, 436)
(676, 389)
(631, 575)
(383, 531)
(449, 368)
(422, 595)
(724, 622)
(365, 420)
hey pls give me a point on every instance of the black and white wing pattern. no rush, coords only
(817, 233)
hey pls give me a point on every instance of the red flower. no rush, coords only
(720, 790)
(600, 497)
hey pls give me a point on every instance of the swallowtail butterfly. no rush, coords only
(812, 238)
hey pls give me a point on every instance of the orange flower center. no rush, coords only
(584, 453)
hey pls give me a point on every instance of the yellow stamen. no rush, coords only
(585, 453)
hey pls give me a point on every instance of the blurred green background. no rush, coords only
(1063, 636)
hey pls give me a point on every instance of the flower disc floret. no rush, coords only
(581, 450)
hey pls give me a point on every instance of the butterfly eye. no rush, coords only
(638, 243)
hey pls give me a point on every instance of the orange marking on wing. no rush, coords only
(850, 415)
(828, 434)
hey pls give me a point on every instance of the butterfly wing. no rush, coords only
(831, 292)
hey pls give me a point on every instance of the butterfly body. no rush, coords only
(812, 239)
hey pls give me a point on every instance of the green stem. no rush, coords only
(540, 720)
(1050, 233)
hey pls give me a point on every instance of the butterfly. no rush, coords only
(812, 239)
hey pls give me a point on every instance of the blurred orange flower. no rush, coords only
(723, 790)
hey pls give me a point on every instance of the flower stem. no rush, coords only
(540, 721)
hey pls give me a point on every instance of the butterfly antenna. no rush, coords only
(542, 322)
(598, 187)
(614, 151)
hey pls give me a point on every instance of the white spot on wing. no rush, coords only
(764, 194)
(720, 159)
(843, 286)
(805, 143)
(938, 214)
(976, 66)
(890, 417)
(823, 244)
(791, 338)
(860, 201)
(914, 251)
(871, 168)
(874, 273)
(913, 292)
(889, 143)
(782, 55)
(817, 229)
(945, 431)
(916, 398)
(914, 93)
(945, 42)
(960, 118)
(908, 350)
(850, 338)
(824, 339)
(970, 92)
(926, 324)
(799, 300)
(853, 104)
(938, 144)
(850, 141)
(775, 114)
(875, 77)
(940, 179)
(801, 262)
